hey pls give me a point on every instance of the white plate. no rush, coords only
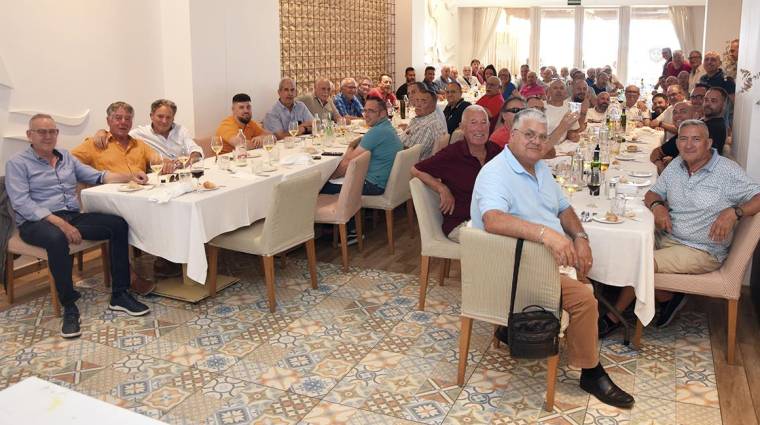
(127, 188)
(640, 183)
(269, 169)
(254, 154)
(640, 173)
(601, 219)
(203, 189)
(623, 157)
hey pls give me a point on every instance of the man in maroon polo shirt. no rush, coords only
(452, 171)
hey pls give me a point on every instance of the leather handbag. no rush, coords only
(533, 332)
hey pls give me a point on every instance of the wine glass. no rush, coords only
(156, 165)
(317, 129)
(216, 145)
(269, 142)
(183, 156)
(293, 128)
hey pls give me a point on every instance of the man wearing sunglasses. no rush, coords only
(41, 183)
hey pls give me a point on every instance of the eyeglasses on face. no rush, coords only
(45, 131)
(532, 135)
(512, 110)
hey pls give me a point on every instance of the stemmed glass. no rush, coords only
(156, 165)
(183, 156)
(269, 144)
(317, 129)
(293, 128)
(216, 146)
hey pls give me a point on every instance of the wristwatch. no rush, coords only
(739, 213)
(655, 203)
(583, 235)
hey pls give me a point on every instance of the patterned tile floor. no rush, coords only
(355, 351)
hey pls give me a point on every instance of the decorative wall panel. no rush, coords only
(335, 39)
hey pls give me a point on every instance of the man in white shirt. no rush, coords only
(561, 123)
(426, 127)
(599, 112)
(697, 70)
(665, 120)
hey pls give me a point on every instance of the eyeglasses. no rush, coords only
(367, 111)
(512, 110)
(531, 135)
(45, 131)
(631, 92)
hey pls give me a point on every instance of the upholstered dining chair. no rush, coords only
(396, 190)
(289, 222)
(339, 208)
(441, 143)
(434, 242)
(16, 246)
(487, 265)
(725, 283)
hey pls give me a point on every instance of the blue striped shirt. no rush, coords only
(348, 107)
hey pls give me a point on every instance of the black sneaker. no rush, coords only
(125, 302)
(70, 327)
(607, 326)
(352, 238)
(502, 334)
(668, 313)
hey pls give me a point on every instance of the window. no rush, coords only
(513, 39)
(557, 42)
(651, 30)
(600, 38)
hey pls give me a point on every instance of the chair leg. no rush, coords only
(269, 278)
(9, 290)
(359, 229)
(410, 217)
(551, 380)
(311, 256)
(464, 347)
(389, 229)
(496, 342)
(80, 261)
(732, 312)
(212, 253)
(105, 258)
(444, 270)
(335, 236)
(54, 295)
(424, 275)
(343, 245)
(637, 334)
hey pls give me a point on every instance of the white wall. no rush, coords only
(410, 37)
(722, 20)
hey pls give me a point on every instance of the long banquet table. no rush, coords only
(624, 253)
(178, 229)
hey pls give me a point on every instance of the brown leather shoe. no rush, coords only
(163, 268)
(141, 286)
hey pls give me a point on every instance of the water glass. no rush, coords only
(224, 162)
(618, 205)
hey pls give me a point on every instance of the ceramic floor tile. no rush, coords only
(697, 415)
(653, 411)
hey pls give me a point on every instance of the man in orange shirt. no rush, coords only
(123, 153)
(240, 120)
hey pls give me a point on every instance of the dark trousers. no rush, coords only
(92, 226)
(369, 189)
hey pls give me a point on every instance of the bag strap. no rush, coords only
(515, 272)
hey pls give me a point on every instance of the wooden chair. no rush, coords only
(338, 209)
(434, 242)
(396, 191)
(289, 223)
(487, 265)
(725, 283)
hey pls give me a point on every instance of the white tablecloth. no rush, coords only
(177, 230)
(624, 253)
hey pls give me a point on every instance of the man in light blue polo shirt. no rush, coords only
(286, 110)
(515, 195)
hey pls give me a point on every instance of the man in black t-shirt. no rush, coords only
(714, 104)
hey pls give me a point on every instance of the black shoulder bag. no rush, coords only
(533, 332)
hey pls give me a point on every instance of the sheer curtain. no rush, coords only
(512, 45)
(683, 23)
(484, 25)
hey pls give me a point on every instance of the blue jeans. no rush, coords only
(369, 189)
(92, 226)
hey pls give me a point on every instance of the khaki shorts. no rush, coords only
(454, 234)
(671, 256)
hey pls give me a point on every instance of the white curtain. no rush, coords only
(683, 23)
(484, 25)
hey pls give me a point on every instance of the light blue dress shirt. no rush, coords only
(504, 185)
(697, 200)
(36, 189)
(279, 117)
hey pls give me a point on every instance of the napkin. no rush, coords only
(297, 159)
(171, 191)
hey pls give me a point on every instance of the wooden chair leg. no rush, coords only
(359, 229)
(335, 236)
(343, 245)
(80, 261)
(444, 271)
(732, 312)
(212, 254)
(551, 381)
(464, 347)
(410, 217)
(311, 256)
(389, 229)
(424, 275)
(637, 334)
(105, 258)
(9, 290)
(269, 279)
(54, 295)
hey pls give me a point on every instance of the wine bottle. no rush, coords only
(596, 173)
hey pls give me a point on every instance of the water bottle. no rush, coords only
(241, 153)
(389, 107)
